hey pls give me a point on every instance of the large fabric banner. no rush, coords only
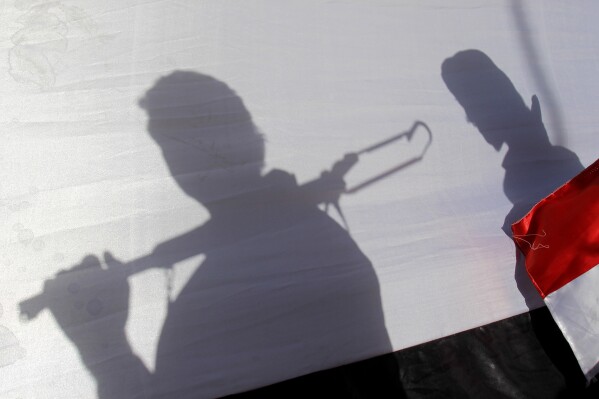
(199, 198)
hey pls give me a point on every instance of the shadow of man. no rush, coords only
(534, 168)
(283, 290)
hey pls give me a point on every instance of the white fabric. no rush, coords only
(575, 309)
(80, 175)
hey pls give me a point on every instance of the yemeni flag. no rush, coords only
(559, 238)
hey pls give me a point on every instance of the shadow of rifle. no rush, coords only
(329, 194)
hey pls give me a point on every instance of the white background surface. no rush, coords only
(321, 79)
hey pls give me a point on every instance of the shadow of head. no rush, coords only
(488, 97)
(206, 134)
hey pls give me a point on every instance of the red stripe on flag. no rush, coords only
(560, 235)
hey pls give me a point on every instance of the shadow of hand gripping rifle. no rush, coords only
(90, 303)
(328, 188)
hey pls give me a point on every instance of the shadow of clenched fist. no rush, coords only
(90, 303)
